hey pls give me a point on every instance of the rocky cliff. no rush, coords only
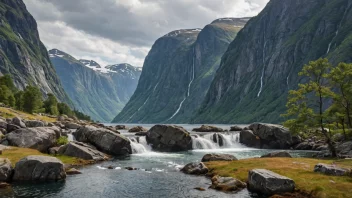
(263, 62)
(22, 54)
(100, 92)
(178, 72)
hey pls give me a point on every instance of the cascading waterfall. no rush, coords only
(70, 137)
(188, 89)
(337, 31)
(144, 102)
(139, 145)
(216, 141)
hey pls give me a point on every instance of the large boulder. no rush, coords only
(277, 154)
(195, 169)
(227, 184)
(3, 124)
(41, 138)
(207, 128)
(236, 128)
(330, 170)
(6, 170)
(248, 138)
(34, 123)
(272, 136)
(304, 146)
(137, 129)
(269, 183)
(104, 140)
(81, 150)
(18, 121)
(344, 150)
(169, 138)
(218, 157)
(39, 168)
(12, 127)
(120, 127)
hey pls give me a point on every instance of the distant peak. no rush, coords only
(241, 22)
(123, 67)
(183, 32)
(90, 63)
(57, 53)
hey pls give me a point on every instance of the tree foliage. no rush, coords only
(322, 103)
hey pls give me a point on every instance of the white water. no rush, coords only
(337, 33)
(262, 77)
(188, 89)
(199, 142)
(71, 138)
(145, 102)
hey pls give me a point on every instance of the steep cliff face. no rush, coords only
(22, 54)
(263, 62)
(177, 73)
(98, 93)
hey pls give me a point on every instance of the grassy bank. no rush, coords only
(14, 154)
(298, 169)
(10, 113)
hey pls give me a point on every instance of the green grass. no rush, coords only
(298, 169)
(15, 154)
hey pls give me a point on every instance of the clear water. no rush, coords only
(158, 174)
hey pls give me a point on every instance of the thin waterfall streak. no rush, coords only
(262, 76)
(145, 102)
(188, 89)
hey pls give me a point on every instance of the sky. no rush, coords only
(123, 31)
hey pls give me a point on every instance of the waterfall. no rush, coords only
(263, 72)
(144, 102)
(188, 89)
(216, 141)
(71, 138)
(139, 145)
(338, 27)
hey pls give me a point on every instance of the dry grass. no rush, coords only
(298, 169)
(10, 113)
(14, 154)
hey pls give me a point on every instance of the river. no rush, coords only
(158, 174)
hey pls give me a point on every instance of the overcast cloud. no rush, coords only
(123, 31)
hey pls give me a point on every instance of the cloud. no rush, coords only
(116, 31)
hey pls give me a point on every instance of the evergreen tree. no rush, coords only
(51, 105)
(307, 103)
(32, 99)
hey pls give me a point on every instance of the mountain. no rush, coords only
(263, 62)
(22, 54)
(96, 91)
(178, 72)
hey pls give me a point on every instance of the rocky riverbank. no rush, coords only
(276, 174)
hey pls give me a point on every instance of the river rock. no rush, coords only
(272, 136)
(169, 138)
(344, 150)
(141, 134)
(18, 121)
(217, 138)
(218, 157)
(277, 154)
(12, 127)
(195, 169)
(3, 124)
(236, 128)
(39, 168)
(120, 127)
(227, 184)
(137, 129)
(207, 128)
(34, 123)
(269, 183)
(81, 150)
(248, 138)
(72, 125)
(330, 170)
(6, 170)
(104, 140)
(4, 185)
(73, 171)
(41, 138)
(54, 150)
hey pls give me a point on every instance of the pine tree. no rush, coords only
(32, 99)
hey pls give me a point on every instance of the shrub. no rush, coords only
(62, 140)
